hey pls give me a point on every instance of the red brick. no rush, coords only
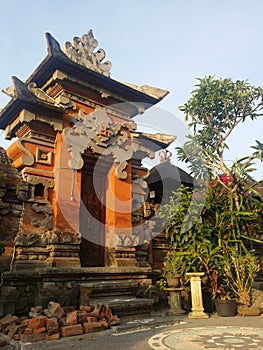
(28, 331)
(54, 310)
(52, 322)
(72, 318)
(52, 331)
(68, 331)
(24, 338)
(90, 327)
(37, 322)
(5, 318)
(114, 320)
(52, 326)
(55, 336)
(20, 328)
(40, 330)
(3, 343)
(108, 312)
(63, 321)
(82, 316)
(97, 310)
(37, 309)
(11, 327)
(85, 308)
(8, 319)
(26, 322)
(104, 323)
(91, 319)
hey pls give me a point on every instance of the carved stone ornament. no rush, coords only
(98, 132)
(33, 93)
(81, 51)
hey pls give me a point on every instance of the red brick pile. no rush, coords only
(56, 321)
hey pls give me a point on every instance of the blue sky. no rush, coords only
(166, 43)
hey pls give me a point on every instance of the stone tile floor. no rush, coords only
(219, 337)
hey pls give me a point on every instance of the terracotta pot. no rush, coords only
(174, 282)
(226, 308)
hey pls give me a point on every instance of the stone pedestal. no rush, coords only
(196, 296)
(175, 301)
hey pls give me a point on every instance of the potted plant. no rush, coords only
(240, 270)
(172, 270)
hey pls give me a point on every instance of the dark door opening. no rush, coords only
(92, 215)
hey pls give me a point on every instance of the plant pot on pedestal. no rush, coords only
(226, 308)
(174, 282)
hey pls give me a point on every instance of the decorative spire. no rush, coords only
(165, 155)
(81, 51)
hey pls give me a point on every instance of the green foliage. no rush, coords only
(205, 231)
(216, 107)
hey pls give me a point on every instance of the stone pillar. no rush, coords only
(196, 296)
(118, 221)
(175, 301)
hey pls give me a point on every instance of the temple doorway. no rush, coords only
(92, 214)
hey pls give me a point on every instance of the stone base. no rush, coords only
(38, 287)
(63, 262)
(176, 312)
(126, 262)
(198, 314)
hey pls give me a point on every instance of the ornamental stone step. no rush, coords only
(126, 306)
(118, 287)
(106, 288)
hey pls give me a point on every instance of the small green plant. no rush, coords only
(162, 283)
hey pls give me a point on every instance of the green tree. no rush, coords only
(231, 208)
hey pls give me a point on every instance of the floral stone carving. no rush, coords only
(98, 132)
(81, 51)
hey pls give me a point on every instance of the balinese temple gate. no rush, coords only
(78, 184)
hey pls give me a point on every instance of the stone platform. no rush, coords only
(116, 287)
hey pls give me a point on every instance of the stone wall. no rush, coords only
(12, 193)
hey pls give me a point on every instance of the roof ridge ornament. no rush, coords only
(81, 50)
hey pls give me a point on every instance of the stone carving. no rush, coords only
(39, 93)
(27, 159)
(126, 240)
(35, 179)
(33, 93)
(53, 237)
(97, 131)
(22, 190)
(9, 91)
(42, 95)
(81, 51)
(28, 239)
(148, 90)
(43, 156)
(46, 209)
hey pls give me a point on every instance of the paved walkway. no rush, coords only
(161, 332)
(224, 333)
